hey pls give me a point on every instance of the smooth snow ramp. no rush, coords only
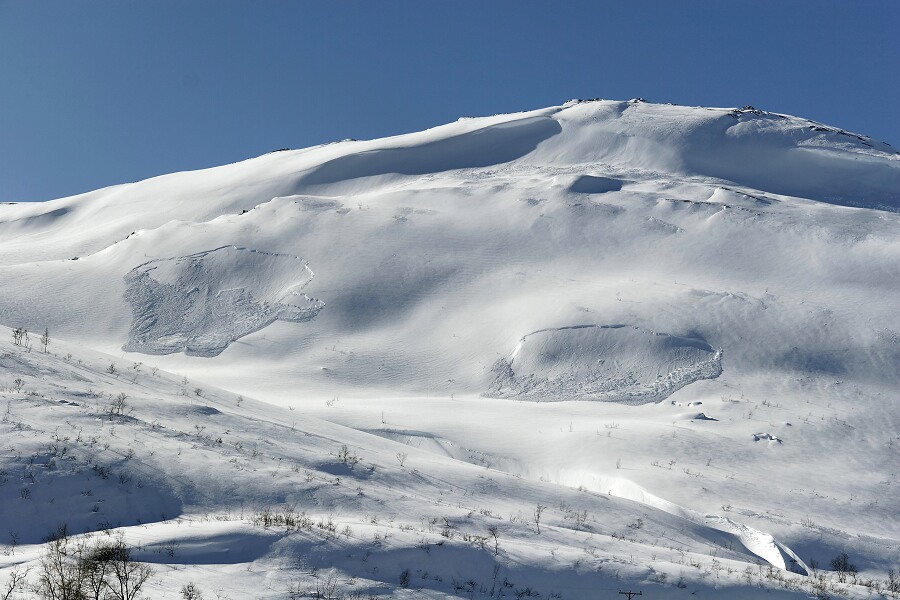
(613, 363)
(199, 304)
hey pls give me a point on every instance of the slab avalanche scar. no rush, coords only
(200, 303)
(612, 363)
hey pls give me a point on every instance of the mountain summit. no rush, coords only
(684, 316)
(430, 255)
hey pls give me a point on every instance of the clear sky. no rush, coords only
(95, 93)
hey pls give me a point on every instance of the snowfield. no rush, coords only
(592, 348)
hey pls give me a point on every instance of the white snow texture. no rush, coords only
(560, 353)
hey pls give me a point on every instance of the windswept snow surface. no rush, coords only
(673, 328)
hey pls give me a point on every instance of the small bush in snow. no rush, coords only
(843, 567)
(20, 336)
(191, 592)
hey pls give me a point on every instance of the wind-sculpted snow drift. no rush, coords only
(201, 303)
(491, 145)
(615, 363)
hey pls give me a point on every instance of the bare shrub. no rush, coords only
(73, 570)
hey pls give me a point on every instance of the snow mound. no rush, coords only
(701, 416)
(760, 543)
(202, 302)
(613, 363)
(721, 531)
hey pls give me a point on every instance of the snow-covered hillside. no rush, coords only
(674, 328)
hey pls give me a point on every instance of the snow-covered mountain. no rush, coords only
(674, 328)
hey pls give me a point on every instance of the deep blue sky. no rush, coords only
(98, 93)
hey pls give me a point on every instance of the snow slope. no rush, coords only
(628, 312)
